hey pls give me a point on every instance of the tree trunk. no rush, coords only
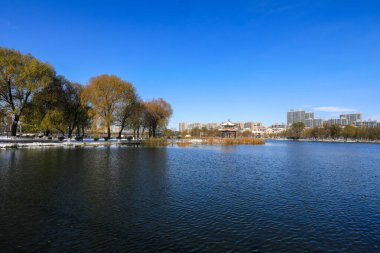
(108, 132)
(154, 129)
(70, 133)
(121, 130)
(14, 125)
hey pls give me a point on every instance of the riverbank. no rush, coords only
(25, 143)
(328, 140)
(154, 142)
(223, 141)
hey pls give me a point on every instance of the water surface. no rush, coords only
(283, 196)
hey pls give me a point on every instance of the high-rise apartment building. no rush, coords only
(290, 117)
(351, 118)
(305, 117)
(318, 122)
(369, 123)
(313, 123)
(309, 115)
(297, 116)
(346, 119)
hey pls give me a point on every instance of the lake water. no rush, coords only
(282, 196)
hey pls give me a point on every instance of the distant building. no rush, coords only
(309, 115)
(298, 116)
(240, 126)
(276, 128)
(253, 126)
(336, 121)
(308, 119)
(212, 126)
(351, 118)
(290, 117)
(182, 126)
(346, 119)
(369, 123)
(318, 122)
(310, 123)
(278, 125)
(194, 125)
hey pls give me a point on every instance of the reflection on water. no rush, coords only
(286, 196)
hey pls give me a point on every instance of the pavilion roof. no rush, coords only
(228, 124)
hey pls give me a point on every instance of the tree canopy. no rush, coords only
(21, 77)
(32, 94)
(157, 114)
(103, 95)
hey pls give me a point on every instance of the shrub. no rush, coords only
(154, 142)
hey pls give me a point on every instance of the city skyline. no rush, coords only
(213, 60)
(306, 116)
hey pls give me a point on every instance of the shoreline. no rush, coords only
(35, 143)
(327, 140)
(10, 143)
(30, 143)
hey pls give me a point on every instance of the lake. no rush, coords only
(281, 196)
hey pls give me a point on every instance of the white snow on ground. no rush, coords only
(65, 143)
(34, 144)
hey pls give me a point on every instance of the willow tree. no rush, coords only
(296, 130)
(157, 114)
(126, 107)
(74, 112)
(21, 76)
(136, 120)
(56, 108)
(103, 94)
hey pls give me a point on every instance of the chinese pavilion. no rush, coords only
(228, 130)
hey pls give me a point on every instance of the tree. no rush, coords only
(196, 132)
(168, 133)
(349, 132)
(296, 130)
(57, 107)
(74, 112)
(158, 112)
(247, 133)
(38, 114)
(4, 119)
(53, 120)
(334, 130)
(103, 94)
(21, 77)
(125, 108)
(136, 120)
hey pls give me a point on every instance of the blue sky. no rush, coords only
(213, 60)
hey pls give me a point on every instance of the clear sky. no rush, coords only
(213, 60)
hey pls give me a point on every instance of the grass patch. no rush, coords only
(155, 142)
